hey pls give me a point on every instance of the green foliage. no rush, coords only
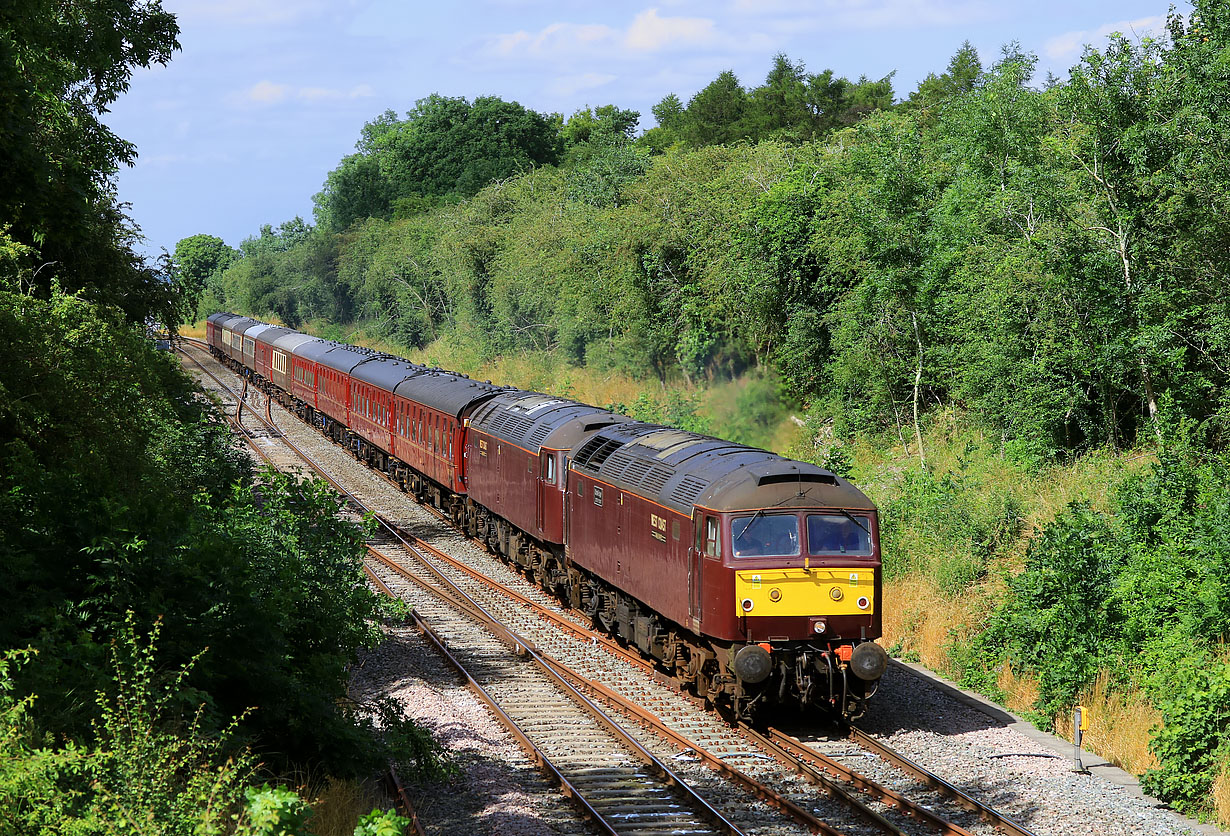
(382, 823)
(164, 522)
(444, 146)
(197, 259)
(950, 524)
(62, 64)
(1063, 612)
(1191, 743)
(274, 811)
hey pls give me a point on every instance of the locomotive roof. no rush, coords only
(289, 342)
(681, 469)
(446, 392)
(386, 371)
(530, 419)
(270, 335)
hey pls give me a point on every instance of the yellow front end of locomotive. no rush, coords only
(791, 592)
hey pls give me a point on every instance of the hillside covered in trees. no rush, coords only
(999, 305)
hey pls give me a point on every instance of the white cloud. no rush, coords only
(319, 94)
(651, 33)
(569, 85)
(870, 14)
(648, 32)
(266, 93)
(1067, 47)
(556, 39)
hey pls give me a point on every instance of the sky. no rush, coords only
(266, 96)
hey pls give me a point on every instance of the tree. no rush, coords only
(196, 259)
(964, 71)
(62, 64)
(715, 114)
(778, 108)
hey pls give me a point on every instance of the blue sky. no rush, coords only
(266, 97)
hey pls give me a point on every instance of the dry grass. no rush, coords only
(338, 804)
(923, 622)
(1020, 690)
(1221, 796)
(195, 330)
(1118, 724)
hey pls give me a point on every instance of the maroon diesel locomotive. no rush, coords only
(753, 579)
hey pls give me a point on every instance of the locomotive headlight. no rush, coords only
(863, 603)
(747, 604)
(775, 595)
(835, 593)
(819, 627)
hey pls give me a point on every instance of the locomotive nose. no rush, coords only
(868, 661)
(752, 663)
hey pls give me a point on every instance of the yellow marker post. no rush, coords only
(1078, 728)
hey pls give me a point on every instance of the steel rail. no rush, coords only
(814, 765)
(987, 814)
(523, 647)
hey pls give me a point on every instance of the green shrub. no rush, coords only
(1060, 620)
(1192, 741)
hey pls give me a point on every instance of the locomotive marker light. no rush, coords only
(869, 661)
(747, 604)
(752, 663)
(835, 593)
(863, 603)
(819, 627)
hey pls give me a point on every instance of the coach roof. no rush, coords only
(386, 371)
(446, 392)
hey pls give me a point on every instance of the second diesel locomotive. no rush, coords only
(753, 579)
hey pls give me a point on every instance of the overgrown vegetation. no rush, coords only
(125, 511)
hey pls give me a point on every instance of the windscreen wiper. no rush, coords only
(852, 519)
(749, 523)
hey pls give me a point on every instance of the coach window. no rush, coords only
(713, 542)
(598, 496)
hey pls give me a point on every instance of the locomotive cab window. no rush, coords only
(838, 534)
(548, 468)
(759, 534)
(713, 539)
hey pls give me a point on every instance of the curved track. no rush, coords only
(773, 767)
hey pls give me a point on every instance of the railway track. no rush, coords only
(817, 791)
